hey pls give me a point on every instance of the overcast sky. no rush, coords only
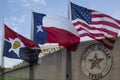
(17, 13)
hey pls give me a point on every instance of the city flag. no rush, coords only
(55, 29)
(19, 47)
(95, 25)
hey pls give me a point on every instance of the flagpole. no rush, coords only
(32, 26)
(69, 9)
(2, 58)
(31, 66)
(68, 55)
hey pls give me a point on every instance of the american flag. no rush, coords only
(95, 25)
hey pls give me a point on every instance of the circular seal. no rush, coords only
(96, 61)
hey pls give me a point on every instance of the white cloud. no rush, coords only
(29, 3)
(13, 10)
(15, 21)
(12, 1)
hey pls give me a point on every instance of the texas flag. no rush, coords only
(19, 47)
(55, 29)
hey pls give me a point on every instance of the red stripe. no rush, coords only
(110, 39)
(62, 37)
(87, 34)
(110, 24)
(94, 28)
(104, 15)
(96, 35)
(106, 44)
(100, 40)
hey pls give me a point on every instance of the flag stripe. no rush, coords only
(55, 29)
(86, 33)
(110, 46)
(106, 19)
(78, 23)
(95, 25)
(101, 15)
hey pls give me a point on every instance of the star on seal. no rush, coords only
(95, 61)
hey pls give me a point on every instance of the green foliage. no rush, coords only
(14, 78)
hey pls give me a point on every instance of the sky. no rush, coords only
(17, 14)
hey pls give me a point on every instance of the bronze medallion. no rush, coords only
(96, 61)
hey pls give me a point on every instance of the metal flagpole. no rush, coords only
(32, 26)
(31, 66)
(2, 58)
(69, 9)
(68, 55)
(68, 65)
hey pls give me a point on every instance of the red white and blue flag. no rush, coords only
(95, 25)
(19, 47)
(55, 29)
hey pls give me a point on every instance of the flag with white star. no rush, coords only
(39, 34)
(54, 29)
(19, 47)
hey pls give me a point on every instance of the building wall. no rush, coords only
(53, 66)
(114, 73)
(50, 67)
(22, 73)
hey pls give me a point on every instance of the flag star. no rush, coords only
(39, 28)
(16, 45)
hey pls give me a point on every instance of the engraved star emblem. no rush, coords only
(39, 28)
(95, 62)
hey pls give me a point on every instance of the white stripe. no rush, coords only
(106, 27)
(110, 28)
(77, 27)
(82, 32)
(59, 22)
(80, 20)
(105, 19)
(96, 12)
(95, 31)
(92, 31)
(105, 41)
(99, 26)
(86, 38)
(96, 26)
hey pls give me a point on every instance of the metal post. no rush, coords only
(68, 55)
(68, 66)
(2, 58)
(31, 71)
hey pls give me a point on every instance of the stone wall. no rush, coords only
(50, 67)
(53, 66)
(114, 73)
